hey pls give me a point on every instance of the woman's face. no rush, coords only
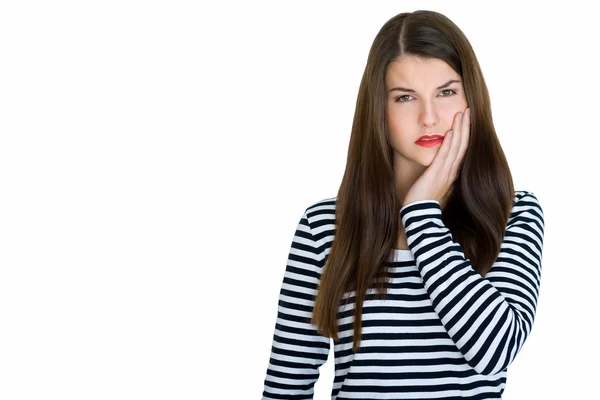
(423, 97)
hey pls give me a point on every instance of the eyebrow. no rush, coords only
(439, 87)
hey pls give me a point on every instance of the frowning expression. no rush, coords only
(423, 97)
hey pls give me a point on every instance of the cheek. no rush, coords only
(400, 129)
(397, 118)
(459, 104)
(394, 124)
(399, 135)
(451, 107)
(448, 112)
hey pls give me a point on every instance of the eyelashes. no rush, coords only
(405, 95)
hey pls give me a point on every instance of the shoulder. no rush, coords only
(526, 205)
(322, 210)
(527, 199)
(322, 207)
(525, 195)
(320, 217)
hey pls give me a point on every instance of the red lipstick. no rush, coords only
(430, 140)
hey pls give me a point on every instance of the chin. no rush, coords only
(425, 162)
(418, 160)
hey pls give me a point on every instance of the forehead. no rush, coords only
(419, 73)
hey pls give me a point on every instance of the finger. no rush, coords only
(454, 145)
(439, 162)
(464, 142)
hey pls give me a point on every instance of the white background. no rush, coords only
(156, 157)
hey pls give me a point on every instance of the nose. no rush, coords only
(428, 115)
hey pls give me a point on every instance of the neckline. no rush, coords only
(403, 255)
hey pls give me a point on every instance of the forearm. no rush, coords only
(488, 322)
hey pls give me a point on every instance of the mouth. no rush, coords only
(430, 140)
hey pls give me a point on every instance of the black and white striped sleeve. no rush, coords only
(488, 318)
(298, 350)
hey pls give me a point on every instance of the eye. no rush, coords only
(398, 99)
(401, 97)
(448, 90)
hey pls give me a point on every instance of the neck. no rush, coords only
(406, 173)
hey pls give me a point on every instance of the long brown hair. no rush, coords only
(367, 206)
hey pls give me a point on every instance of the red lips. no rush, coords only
(429, 137)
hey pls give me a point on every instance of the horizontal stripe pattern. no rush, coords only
(444, 332)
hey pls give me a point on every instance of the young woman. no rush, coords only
(425, 269)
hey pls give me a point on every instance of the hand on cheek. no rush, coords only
(436, 182)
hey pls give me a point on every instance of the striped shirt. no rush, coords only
(444, 332)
